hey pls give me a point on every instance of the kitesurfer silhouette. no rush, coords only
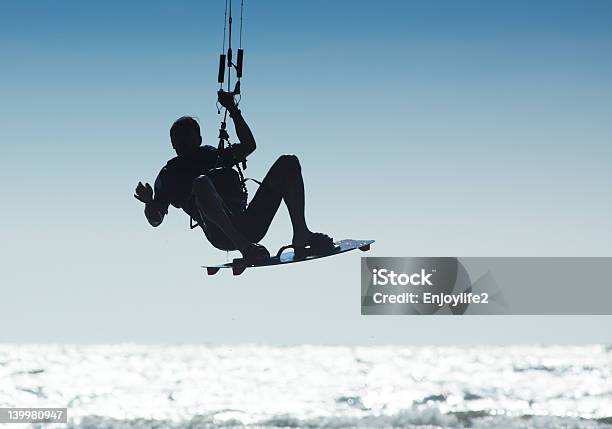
(201, 181)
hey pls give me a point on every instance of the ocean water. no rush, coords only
(136, 386)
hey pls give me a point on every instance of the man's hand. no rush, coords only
(226, 99)
(243, 132)
(144, 193)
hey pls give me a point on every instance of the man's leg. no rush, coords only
(282, 182)
(211, 207)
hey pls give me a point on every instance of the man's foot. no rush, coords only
(300, 240)
(255, 253)
(315, 243)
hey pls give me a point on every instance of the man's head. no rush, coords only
(185, 135)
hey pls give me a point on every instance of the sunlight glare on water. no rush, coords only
(310, 385)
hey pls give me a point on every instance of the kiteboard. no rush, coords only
(286, 255)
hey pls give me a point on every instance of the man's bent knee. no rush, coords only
(288, 163)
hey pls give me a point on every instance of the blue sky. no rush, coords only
(470, 128)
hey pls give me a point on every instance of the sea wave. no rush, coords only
(245, 386)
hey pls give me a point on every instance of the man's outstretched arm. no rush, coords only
(153, 214)
(247, 141)
(153, 210)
